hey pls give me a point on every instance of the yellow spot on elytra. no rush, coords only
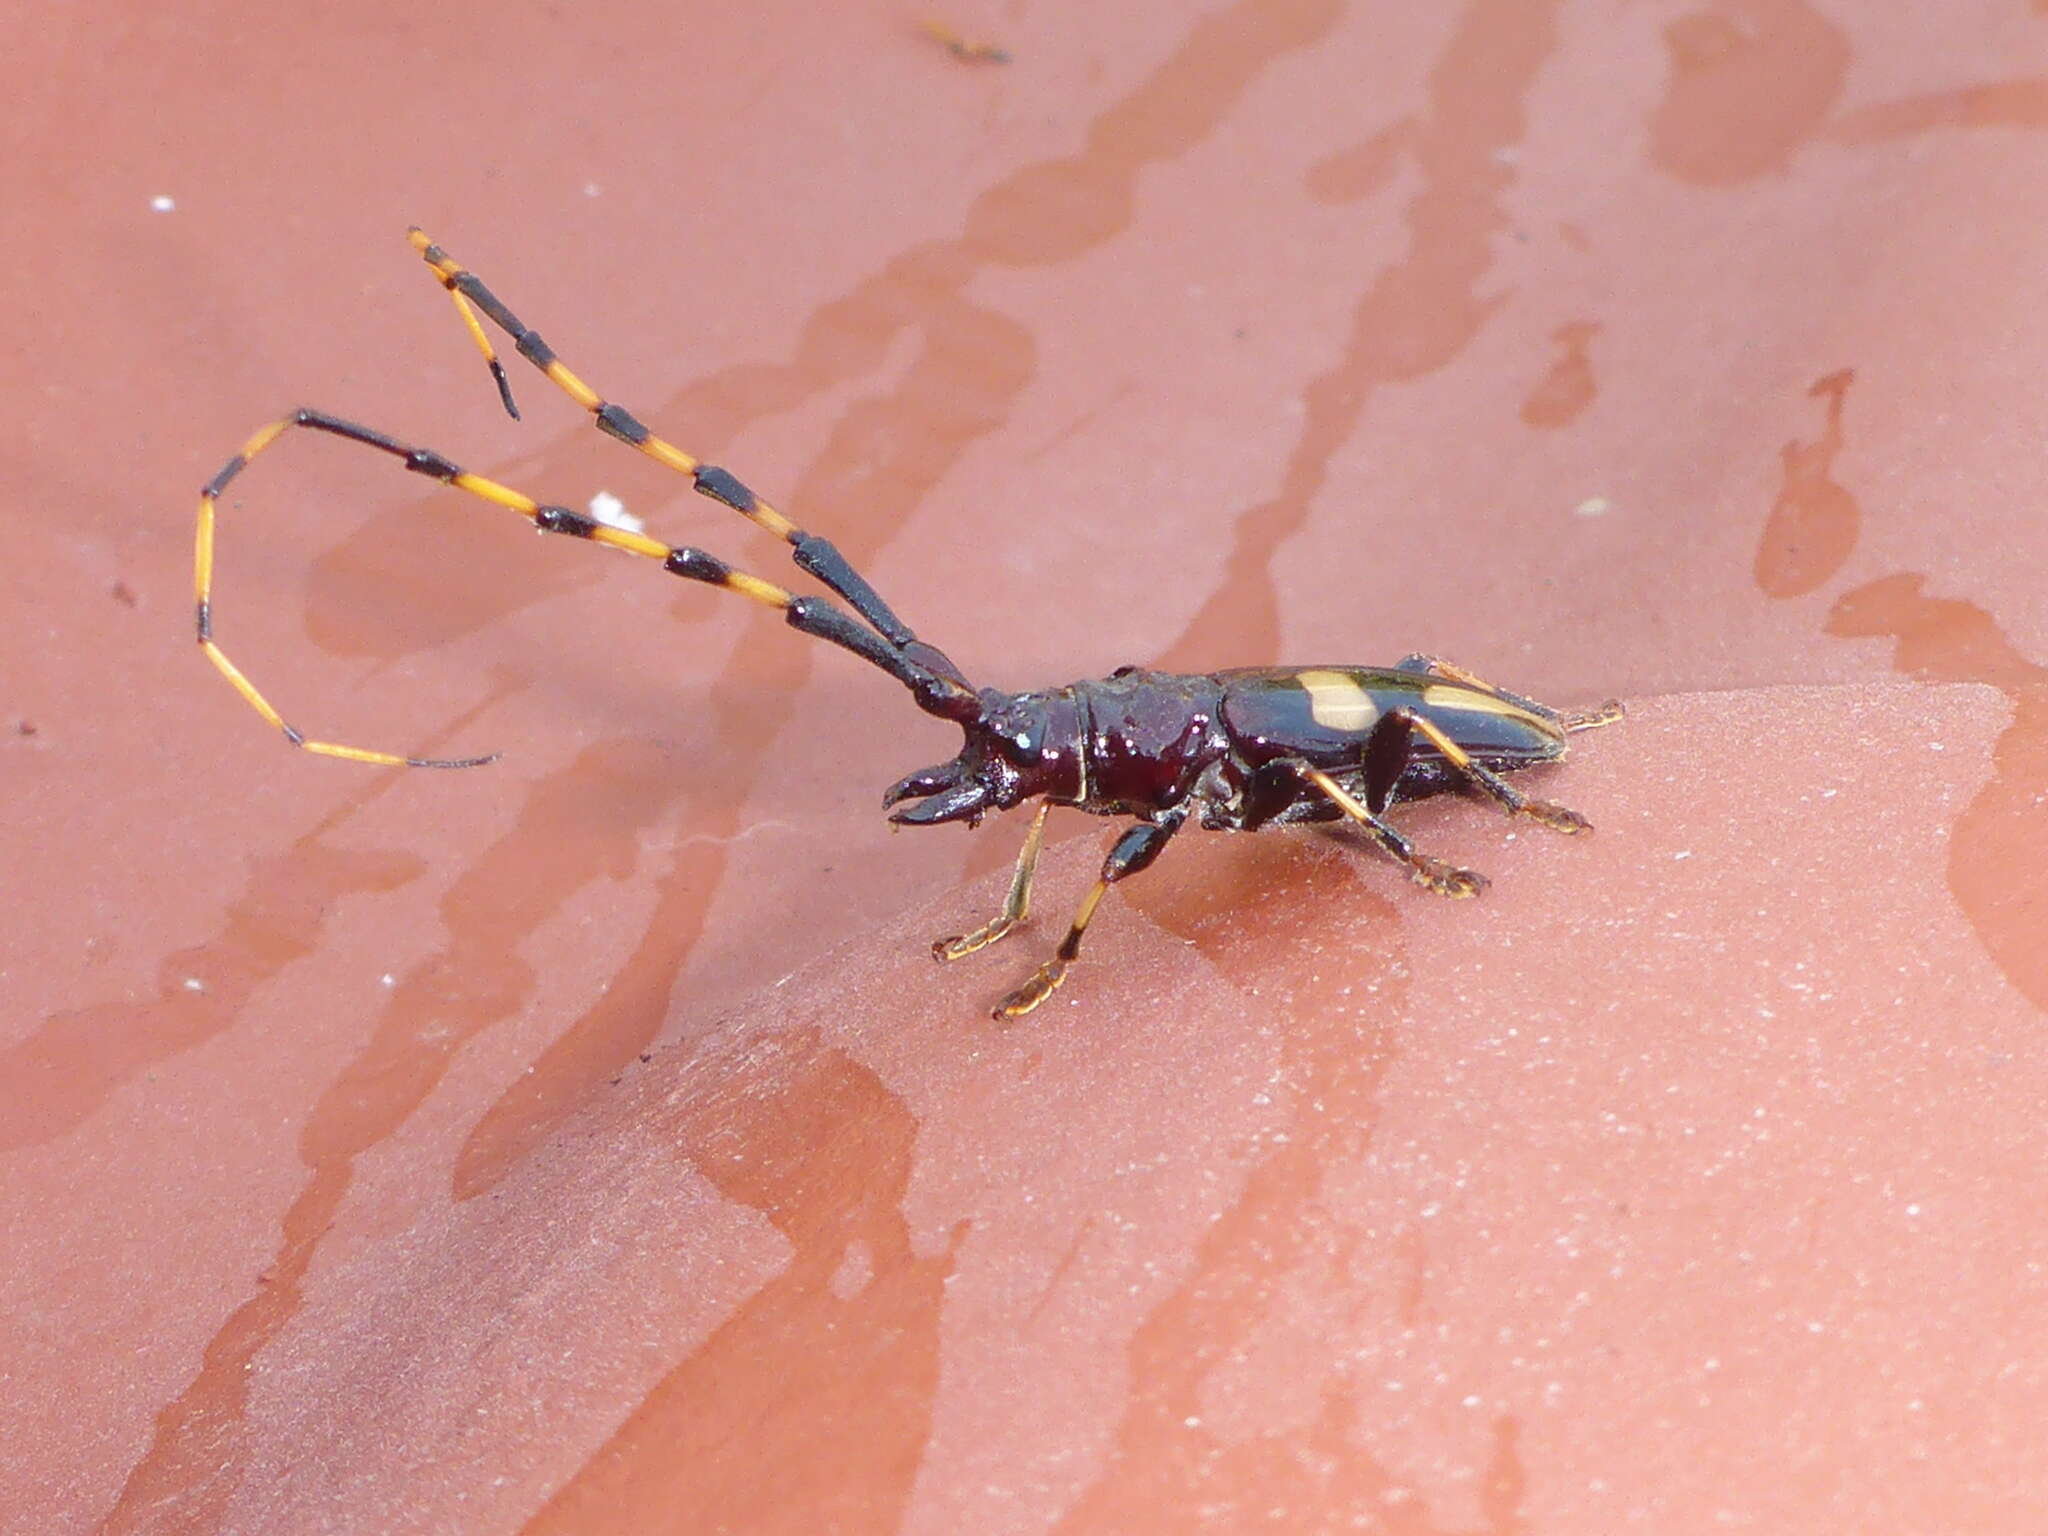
(1338, 700)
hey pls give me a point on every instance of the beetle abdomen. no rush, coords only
(1326, 714)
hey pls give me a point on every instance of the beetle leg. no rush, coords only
(1133, 851)
(1431, 874)
(1016, 907)
(1511, 799)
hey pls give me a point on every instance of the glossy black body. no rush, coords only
(1225, 747)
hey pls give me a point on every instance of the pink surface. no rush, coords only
(585, 1143)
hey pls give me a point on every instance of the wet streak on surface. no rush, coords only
(63, 1073)
(1563, 393)
(1362, 171)
(1751, 81)
(1414, 318)
(1998, 852)
(1283, 1236)
(1814, 522)
(828, 1365)
(557, 846)
(2019, 103)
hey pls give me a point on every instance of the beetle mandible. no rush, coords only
(1235, 751)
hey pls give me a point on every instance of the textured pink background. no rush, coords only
(586, 1144)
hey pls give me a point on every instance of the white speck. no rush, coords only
(1683, 853)
(1592, 506)
(591, 189)
(387, 979)
(1913, 1209)
(1936, 746)
(608, 509)
(194, 984)
(856, 1269)
(163, 204)
(1192, 1421)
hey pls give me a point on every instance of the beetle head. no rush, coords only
(1017, 745)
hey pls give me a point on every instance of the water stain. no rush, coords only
(809, 1408)
(1994, 104)
(1998, 848)
(579, 825)
(66, 1069)
(1362, 171)
(1814, 523)
(64, 1072)
(1564, 392)
(1165, 1470)
(1417, 316)
(1751, 81)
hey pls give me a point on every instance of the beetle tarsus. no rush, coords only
(1016, 905)
(961, 945)
(1556, 817)
(1446, 879)
(1043, 983)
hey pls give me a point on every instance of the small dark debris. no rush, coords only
(964, 48)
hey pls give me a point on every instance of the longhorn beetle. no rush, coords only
(1237, 750)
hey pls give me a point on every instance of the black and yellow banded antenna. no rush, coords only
(882, 639)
